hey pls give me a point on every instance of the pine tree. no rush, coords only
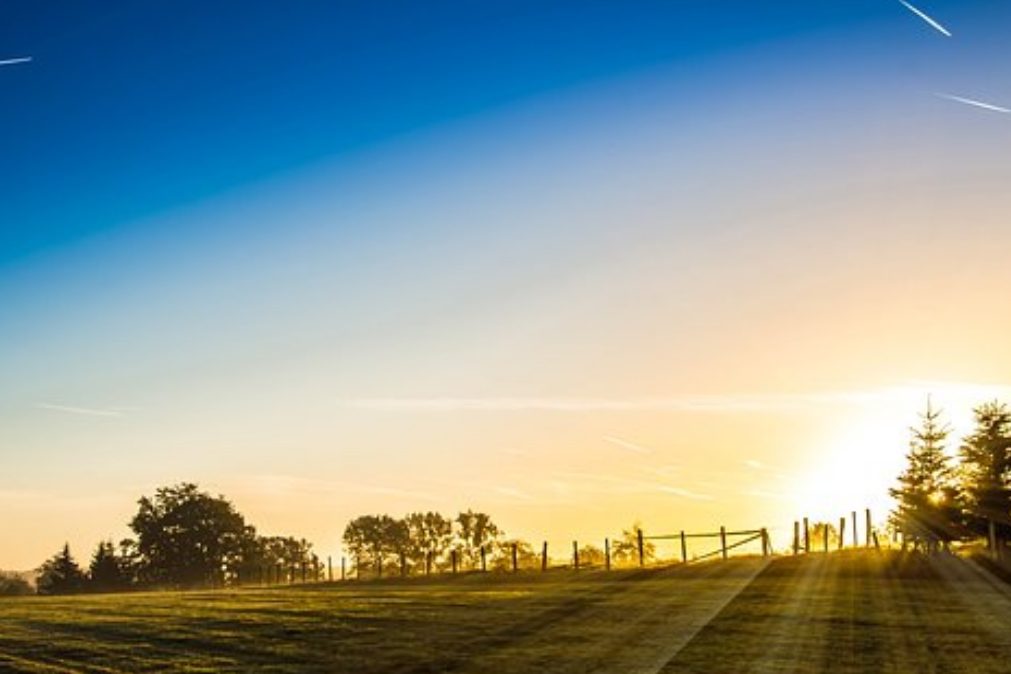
(926, 501)
(61, 574)
(986, 470)
(105, 573)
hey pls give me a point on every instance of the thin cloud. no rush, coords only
(752, 463)
(690, 403)
(514, 493)
(15, 61)
(83, 411)
(930, 21)
(684, 493)
(973, 102)
(625, 444)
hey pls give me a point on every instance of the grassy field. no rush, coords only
(840, 613)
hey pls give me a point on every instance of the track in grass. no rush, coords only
(841, 613)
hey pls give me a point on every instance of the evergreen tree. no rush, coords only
(986, 470)
(61, 574)
(926, 500)
(105, 573)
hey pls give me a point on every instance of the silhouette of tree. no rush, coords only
(986, 470)
(817, 535)
(625, 550)
(13, 585)
(60, 574)
(591, 555)
(474, 531)
(926, 500)
(375, 539)
(526, 556)
(105, 574)
(429, 535)
(186, 537)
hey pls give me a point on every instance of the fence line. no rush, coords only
(633, 551)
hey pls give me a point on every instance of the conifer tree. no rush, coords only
(61, 574)
(105, 572)
(926, 500)
(986, 471)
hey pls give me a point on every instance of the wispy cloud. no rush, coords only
(627, 445)
(83, 411)
(684, 493)
(15, 61)
(770, 495)
(973, 102)
(930, 21)
(744, 403)
(688, 403)
(511, 492)
(286, 485)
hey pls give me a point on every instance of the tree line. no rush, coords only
(183, 538)
(425, 542)
(940, 500)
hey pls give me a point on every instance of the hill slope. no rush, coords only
(841, 613)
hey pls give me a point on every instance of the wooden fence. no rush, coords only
(637, 553)
(803, 530)
(641, 551)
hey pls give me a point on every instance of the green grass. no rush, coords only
(840, 613)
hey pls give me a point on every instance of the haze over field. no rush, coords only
(666, 261)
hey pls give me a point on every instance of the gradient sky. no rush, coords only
(574, 263)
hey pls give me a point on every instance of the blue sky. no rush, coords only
(131, 109)
(317, 255)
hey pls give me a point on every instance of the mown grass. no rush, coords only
(843, 612)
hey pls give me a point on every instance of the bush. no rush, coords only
(13, 585)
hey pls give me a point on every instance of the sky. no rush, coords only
(576, 264)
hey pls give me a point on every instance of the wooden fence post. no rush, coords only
(607, 554)
(343, 567)
(842, 532)
(992, 536)
(291, 575)
(877, 546)
(329, 568)
(723, 541)
(575, 555)
(315, 569)
(867, 523)
(428, 563)
(765, 542)
(380, 567)
(303, 571)
(403, 564)
(796, 537)
(642, 555)
(544, 556)
(807, 537)
(484, 564)
(453, 558)
(856, 540)
(358, 568)
(824, 534)
(684, 548)
(515, 557)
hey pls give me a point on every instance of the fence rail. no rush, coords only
(636, 551)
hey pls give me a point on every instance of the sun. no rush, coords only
(863, 449)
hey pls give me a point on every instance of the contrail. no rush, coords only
(15, 61)
(974, 103)
(941, 29)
